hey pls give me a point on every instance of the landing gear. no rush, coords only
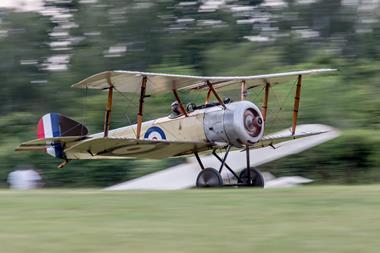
(257, 179)
(210, 177)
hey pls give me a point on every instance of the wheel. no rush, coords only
(257, 177)
(209, 177)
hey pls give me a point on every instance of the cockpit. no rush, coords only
(191, 107)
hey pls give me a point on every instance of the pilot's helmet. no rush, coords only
(175, 106)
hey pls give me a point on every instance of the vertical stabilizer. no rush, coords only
(57, 125)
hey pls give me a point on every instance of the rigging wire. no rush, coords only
(256, 94)
(282, 104)
(153, 117)
(125, 112)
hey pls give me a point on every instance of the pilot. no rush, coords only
(175, 110)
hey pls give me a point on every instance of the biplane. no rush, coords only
(188, 130)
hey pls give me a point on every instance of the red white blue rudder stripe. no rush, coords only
(48, 127)
(57, 125)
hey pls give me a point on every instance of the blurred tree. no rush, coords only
(22, 47)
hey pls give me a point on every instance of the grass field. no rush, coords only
(307, 219)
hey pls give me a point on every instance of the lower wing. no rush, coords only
(114, 148)
(272, 139)
(126, 148)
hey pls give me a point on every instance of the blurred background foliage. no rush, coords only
(47, 45)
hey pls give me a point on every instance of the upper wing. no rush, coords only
(111, 148)
(130, 81)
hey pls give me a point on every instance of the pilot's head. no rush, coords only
(175, 107)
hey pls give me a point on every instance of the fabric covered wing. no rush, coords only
(130, 81)
(111, 148)
(119, 148)
(273, 139)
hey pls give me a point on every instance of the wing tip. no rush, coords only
(86, 83)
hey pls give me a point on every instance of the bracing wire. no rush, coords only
(125, 112)
(282, 103)
(256, 94)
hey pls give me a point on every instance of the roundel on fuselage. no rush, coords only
(154, 133)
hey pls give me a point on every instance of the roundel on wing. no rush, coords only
(130, 150)
(154, 133)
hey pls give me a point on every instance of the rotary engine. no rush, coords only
(239, 124)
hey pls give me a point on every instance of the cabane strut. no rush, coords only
(180, 102)
(243, 90)
(211, 88)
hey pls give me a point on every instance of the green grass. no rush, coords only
(306, 219)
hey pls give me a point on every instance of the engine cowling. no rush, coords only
(241, 123)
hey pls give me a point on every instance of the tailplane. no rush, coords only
(53, 125)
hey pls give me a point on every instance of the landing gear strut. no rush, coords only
(210, 177)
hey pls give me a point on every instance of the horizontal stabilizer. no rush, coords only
(42, 144)
(54, 131)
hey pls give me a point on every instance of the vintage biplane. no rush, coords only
(193, 129)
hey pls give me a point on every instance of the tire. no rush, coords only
(209, 177)
(257, 178)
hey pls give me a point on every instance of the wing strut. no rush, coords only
(264, 108)
(243, 90)
(141, 107)
(107, 114)
(215, 94)
(208, 97)
(296, 104)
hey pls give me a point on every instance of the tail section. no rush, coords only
(57, 125)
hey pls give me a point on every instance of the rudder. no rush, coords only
(57, 125)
